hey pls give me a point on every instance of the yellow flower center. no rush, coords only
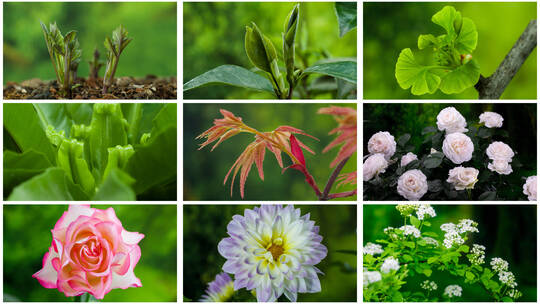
(276, 248)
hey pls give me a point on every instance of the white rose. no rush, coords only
(458, 147)
(500, 166)
(382, 142)
(529, 188)
(412, 185)
(451, 121)
(491, 119)
(463, 178)
(407, 158)
(432, 151)
(500, 151)
(374, 165)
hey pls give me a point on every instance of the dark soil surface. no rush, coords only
(150, 87)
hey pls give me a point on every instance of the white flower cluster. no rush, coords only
(390, 264)
(374, 165)
(498, 264)
(453, 291)
(406, 209)
(491, 119)
(477, 255)
(412, 185)
(453, 233)
(410, 230)
(501, 267)
(423, 210)
(501, 154)
(463, 178)
(429, 285)
(372, 249)
(530, 188)
(514, 294)
(431, 241)
(371, 277)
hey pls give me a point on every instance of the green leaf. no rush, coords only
(463, 248)
(403, 139)
(259, 49)
(344, 88)
(469, 275)
(54, 114)
(432, 260)
(488, 196)
(410, 73)
(20, 167)
(231, 75)
(116, 187)
(445, 18)
(154, 163)
(165, 118)
(51, 185)
(468, 37)
(432, 162)
(429, 129)
(460, 79)
(415, 221)
(23, 125)
(425, 41)
(347, 14)
(427, 272)
(345, 70)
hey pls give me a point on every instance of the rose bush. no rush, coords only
(90, 253)
(476, 163)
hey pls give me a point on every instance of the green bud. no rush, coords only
(118, 158)
(465, 58)
(289, 37)
(70, 158)
(259, 49)
(55, 137)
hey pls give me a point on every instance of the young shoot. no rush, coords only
(115, 46)
(95, 65)
(65, 55)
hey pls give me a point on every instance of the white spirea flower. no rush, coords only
(514, 294)
(374, 165)
(448, 227)
(452, 238)
(467, 225)
(491, 119)
(407, 158)
(508, 278)
(412, 185)
(451, 121)
(530, 188)
(500, 151)
(430, 241)
(371, 277)
(429, 285)
(406, 209)
(458, 148)
(390, 264)
(453, 233)
(453, 291)
(273, 250)
(498, 264)
(477, 255)
(410, 230)
(382, 142)
(372, 249)
(500, 166)
(423, 210)
(463, 178)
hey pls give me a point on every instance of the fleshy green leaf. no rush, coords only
(410, 73)
(231, 75)
(51, 185)
(54, 114)
(460, 79)
(116, 187)
(345, 70)
(347, 14)
(20, 167)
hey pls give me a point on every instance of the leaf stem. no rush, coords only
(341, 194)
(332, 179)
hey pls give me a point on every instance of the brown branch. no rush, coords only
(332, 179)
(493, 86)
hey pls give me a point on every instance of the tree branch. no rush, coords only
(332, 179)
(493, 86)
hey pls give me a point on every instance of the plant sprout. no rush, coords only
(95, 65)
(115, 46)
(65, 55)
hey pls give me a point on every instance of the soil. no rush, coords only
(149, 87)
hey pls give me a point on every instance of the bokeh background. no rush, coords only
(391, 27)
(151, 25)
(27, 237)
(214, 35)
(398, 119)
(507, 231)
(202, 261)
(204, 171)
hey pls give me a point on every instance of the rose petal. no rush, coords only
(131, 238)
(74, 211)
(128, 279)
(48, 275)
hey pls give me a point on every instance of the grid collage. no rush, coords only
(243, 187)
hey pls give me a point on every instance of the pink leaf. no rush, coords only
(296, 150)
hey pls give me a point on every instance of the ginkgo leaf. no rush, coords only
(410, 73)
(461, 78)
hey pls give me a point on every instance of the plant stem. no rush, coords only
(291, 88)
(332, 179)
(341, 194)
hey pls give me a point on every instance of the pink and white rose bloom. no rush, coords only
(374, 165)
(458, 147)
(530, 188)
(407, 158)
(382, 142)
(500, 151)
(491, 119)
(463, 178)
(451, 121)
(90, 252)
(500, 166)
(412, 185)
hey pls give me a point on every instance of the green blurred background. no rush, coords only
(214, 35)
(151, 25)
(27, 237)
(204, 171)
(507, 231)
(412, 118)
(391, 27)
(202, 261)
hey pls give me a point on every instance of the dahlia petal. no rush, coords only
(264, 290)
(48, 275)
(292, 296)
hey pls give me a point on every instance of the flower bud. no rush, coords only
(465, 58)
(289, 37)
(259, 49)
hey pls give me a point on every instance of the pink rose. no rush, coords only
(90, 252)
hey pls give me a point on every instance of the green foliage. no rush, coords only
(231, 75)
(346, 13)
(27, 238)
(102, 159)
(454, 71)
(115, 47)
